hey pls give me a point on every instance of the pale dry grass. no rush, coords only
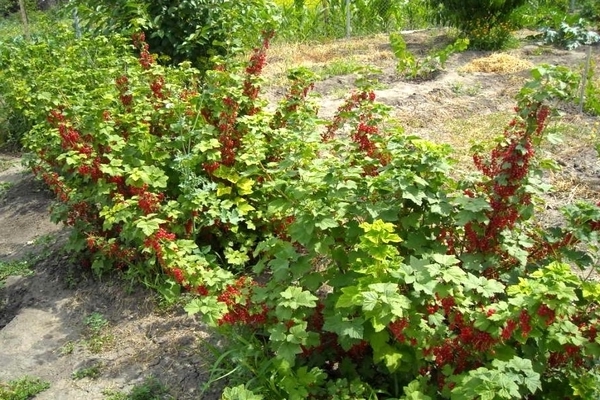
(572, 187)
(461, 134)
(366, 51)
(497, 63)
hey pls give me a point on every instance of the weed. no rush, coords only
(22, 389)
(5, 164)
(339, 67)
(95, 322)
(460, 88)
(70, 279)
(591, 91)
(67, 348)
(541, 51)
(91, 372)
(595, 131)
(4, 187)
(96, 340)
(42, 248)
(150, 389)
(413, 68)
(114, 395)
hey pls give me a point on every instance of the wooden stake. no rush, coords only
(584, 78)
(24, 18)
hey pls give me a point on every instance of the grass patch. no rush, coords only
(22, 389)
(6, 162)
(461, 134)
(14, 268)
(67, 348)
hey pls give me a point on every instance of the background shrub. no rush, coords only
(54, 61)
(184, 30)
(486, 23)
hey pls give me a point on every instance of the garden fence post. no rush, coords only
(24, 18)
(584, 77)
(76, 25)
(348, 16)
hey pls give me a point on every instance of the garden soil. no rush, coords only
(45, 325)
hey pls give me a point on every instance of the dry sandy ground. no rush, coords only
(42, 316)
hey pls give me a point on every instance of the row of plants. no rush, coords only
(342, 258)
(413, 68)
(217, 27)
(487, 24)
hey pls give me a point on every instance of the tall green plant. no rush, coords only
(412, 68)
(478, 19)
(184, 30)
(53, 68)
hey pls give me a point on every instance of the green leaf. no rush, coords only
(350, 297)
(298, 334)
(278, 333)
(453, 274)
(302, 230)
(294, 298)
(343, 326)
(370, 300)
(239, 393)
(490, 287)
(205, 145)
(326, 223)
(414, 194)
(209, 307)
(149, 226)
(223, 190)
(243, 207)
(428, 288)
(387, 354)
(280, 268)
(279, 206)
(591, 290)
(287, 351)
(413, 391)
(444, 259)
(236, 257)
(244, 186)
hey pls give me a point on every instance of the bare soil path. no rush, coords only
(45, 322)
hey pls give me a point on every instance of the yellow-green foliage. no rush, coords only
(310, 4)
